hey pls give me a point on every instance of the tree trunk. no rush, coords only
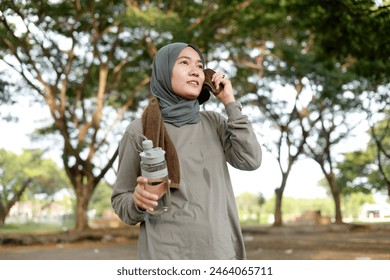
(83, 195)
(336, 197)
(278, 208)
(84, 183)
(5, 209)
(3, 213)
(2, 218)
(339, 217)
(278, 202)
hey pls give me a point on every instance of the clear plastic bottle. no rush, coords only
(154, 168)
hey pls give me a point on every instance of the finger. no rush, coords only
(144, 199)
(145, 195)
(143, 203)
(142, 180)
(218, 80)
(217, 77)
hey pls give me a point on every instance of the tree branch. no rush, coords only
(18, 194)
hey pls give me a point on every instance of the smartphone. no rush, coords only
(208, 84)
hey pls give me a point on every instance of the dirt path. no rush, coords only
(310, 243)
(319, 246)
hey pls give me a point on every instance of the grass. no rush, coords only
(32, 228)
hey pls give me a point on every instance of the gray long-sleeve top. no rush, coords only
(203, 221)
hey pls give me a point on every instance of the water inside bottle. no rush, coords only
(160, 188)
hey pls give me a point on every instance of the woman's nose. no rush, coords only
(195, 71)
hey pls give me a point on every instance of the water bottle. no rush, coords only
(154, 168)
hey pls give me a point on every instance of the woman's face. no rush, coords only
(187, 74)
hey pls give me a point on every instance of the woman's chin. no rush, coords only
(190, 96)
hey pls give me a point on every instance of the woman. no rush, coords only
(203, 221)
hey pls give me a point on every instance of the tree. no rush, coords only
(295, 207)
(26, 174)
(100, 200)
(332, 128)
(90, 61)
(352, 31)
(288, 145)
(349, 68)
(354, 171)
(261, 201)
(379, 147)
(74, 56)
(250, 207)
(90, 64)
(269, 67)
(369, 169)
(352, 204)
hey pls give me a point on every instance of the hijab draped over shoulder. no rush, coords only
(175, 109)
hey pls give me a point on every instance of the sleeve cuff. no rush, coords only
(139, 211)
(233, 109)
(136, 213)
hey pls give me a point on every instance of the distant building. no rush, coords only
(375, 212)
(26, 211)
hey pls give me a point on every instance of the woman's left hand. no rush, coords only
(226, 95)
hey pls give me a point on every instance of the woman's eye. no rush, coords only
(184, 62)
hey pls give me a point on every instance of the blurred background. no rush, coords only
(313, 77)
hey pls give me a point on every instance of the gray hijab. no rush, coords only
(174, 109)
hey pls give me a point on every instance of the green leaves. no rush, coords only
(16, 169)
(26, 176)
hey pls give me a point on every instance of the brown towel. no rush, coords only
(154, 129)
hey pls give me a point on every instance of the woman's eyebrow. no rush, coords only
(187, 57)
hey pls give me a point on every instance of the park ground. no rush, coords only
(330, 242)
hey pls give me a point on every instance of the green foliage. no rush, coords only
(27, 176)
(293, 207)
(346, 29)
(101, 199)
(251, 212)
(15, 169)
(353, 202)
(354, 172)
(359, 171)
(151, 17)
(33, 228)
(250, 208)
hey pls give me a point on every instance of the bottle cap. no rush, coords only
(151, 155)
(147, 144)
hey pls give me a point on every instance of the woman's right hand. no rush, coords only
(142, 198)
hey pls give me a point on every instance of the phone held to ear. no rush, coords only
(208, 84)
